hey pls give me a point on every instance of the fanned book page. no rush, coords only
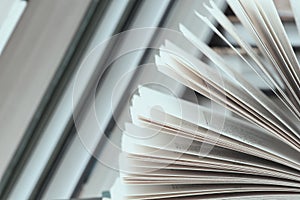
(175, 149)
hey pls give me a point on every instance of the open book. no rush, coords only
(175, 149)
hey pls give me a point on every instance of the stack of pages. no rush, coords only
(174, 149)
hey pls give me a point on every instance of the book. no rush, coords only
(176, 149)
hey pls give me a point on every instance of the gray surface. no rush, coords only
(29, 63)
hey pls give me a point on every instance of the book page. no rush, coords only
(192, 163)
(240, 96)
(277, 54)
(280, 34)
(252, 20)
(231, 127)
(255, 93)
(245, 20)
(219, 140)
(163, 191)
(175, 143)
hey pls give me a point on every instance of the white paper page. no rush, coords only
(166, 69)
(255, 93)
(176, 143)
(275, 50)
(214, 78)
(240, 164)
(254, 24)
(133, 163)
(245, 196)
(247, 114)
(242, 16)
(138, 191)
(229, 27)
(216, 166)
(199, 181)
(200, 86)
(160, 178)
(248, 24)
(205, 89)
(278, 28)
(232, 127)
(219, 141)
